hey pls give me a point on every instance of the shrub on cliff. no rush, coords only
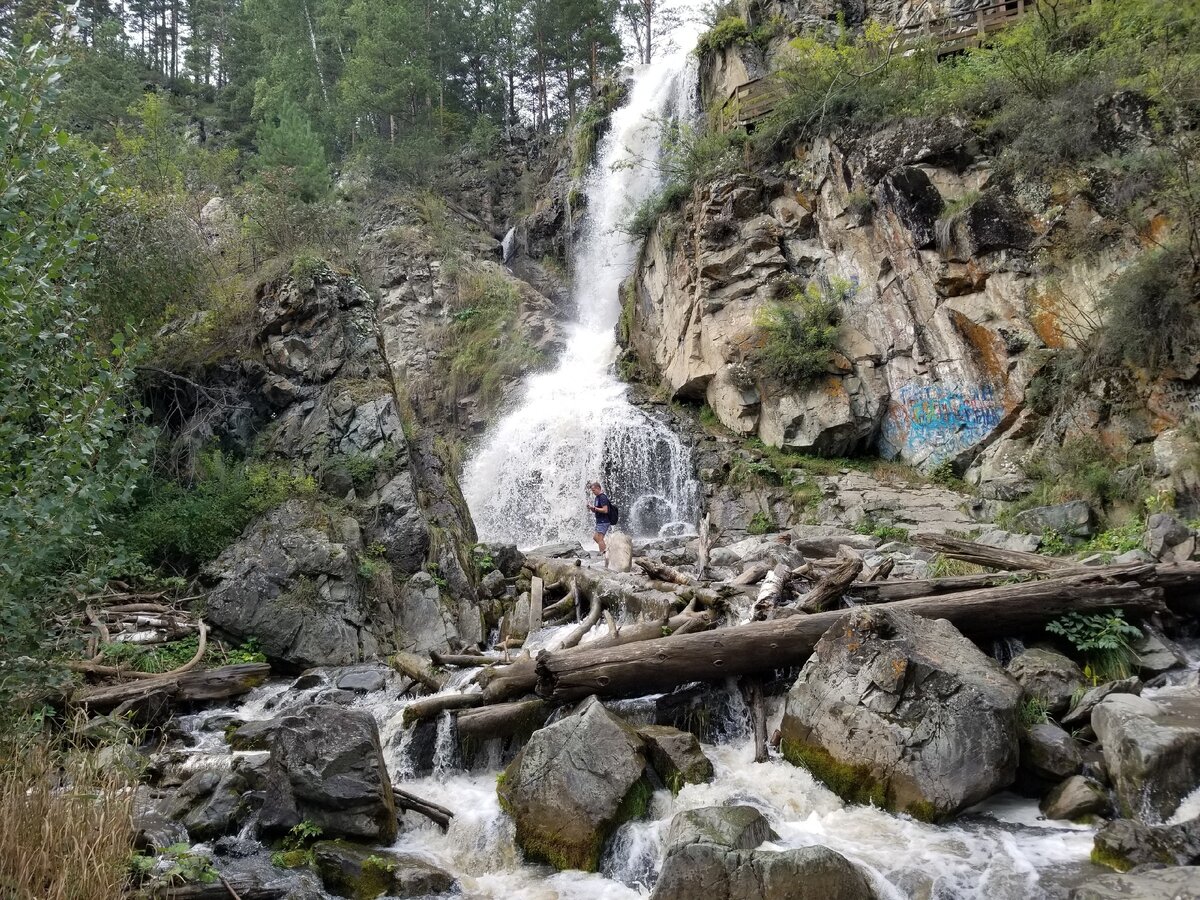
(799, 333)
(1151, 316)
(726, 33)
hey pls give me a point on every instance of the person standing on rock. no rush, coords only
(600, 508)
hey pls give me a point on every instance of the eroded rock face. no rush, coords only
(573, 783)
(291, 582)
(905, 713)
(327, 768)
(1177, 883)
(1152, 750)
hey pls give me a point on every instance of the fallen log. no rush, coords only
(832, 587)
(430, 810)
(661, 572)
(969, 551)
(882, 571)
(431, 707)
(502, 720)
(501, 683)
(208, 684)
(753, 575)
(243, 887)
(418, 668)
(662, 664)
(461, 660)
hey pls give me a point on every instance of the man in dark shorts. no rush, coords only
(600, 508)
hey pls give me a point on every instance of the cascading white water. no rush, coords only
(575, 424)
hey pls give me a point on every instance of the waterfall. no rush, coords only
(575, 424)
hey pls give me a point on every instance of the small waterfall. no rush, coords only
(575, 424)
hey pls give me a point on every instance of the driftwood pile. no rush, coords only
(120, 616)
(686, 634)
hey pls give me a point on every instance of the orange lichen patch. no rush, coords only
(899, 667)
(1155, 232)
(1046, 318)
(989, 349)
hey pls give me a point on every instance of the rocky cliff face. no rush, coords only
(956, 287)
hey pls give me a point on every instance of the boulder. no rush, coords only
(1165, 533)
(916, 203)
(1048, 753)
(823, 541)
(426, 618)
(153, 829)
(573, 784)
(713, 873)
(210, 805)
(1155, 655)
(1049, 676)
(726, 827)
(1073, 519)
(1177, 883)
(363, 873)
(1081, 712)
(1151, 749)
(326, 767)
(676, 756)
(1126, 843)
(363, 680)
(1006, 540)
(905, 713)
(1077, 798)
(291, 582)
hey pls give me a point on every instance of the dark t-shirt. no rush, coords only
(601, 500)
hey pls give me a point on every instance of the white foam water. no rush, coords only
(575, 424)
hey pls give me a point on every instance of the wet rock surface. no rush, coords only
(905, 713)
(810, 873)
(1048, 676)
(1174, 883)
(326, 767)
(573, 783)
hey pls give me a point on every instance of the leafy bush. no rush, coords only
(1104, 641)
(1034, 711)
(1151, 317)
(799, 334)
(1083, 468)
(71, 443)
(726, 33)
(761, 523)
(182, 526)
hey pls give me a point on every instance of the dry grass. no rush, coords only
(66, 826)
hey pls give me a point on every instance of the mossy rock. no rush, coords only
(364, 873)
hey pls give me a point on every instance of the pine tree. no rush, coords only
(292, 154)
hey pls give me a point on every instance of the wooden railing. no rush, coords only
(752, 101)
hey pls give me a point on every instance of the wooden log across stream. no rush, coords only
(662, 664)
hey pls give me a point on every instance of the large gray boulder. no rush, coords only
(291, 582)
(1151, 749)
(327, 768)
(905, 713)
(1169, 539)
(573, 784)
(1073, 519)
(1049, 676)
(712, 873)
(727, 827)
(1177, 883)
(1125, 843)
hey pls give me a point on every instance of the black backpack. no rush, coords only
(614, 513)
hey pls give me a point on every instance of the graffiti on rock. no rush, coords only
(933, 422)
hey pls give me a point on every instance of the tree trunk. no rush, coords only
(208, 684)
(421, 806)
(663, 664)
(969, 551)
(419, 669)
(502, 720)
(753, 693)
(831, 588)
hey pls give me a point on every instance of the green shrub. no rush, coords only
(1103, 639)
(799, 334)
(1151, 316)
(181, 526)
(1083, 468)
(1034, 711)
(729, 31)
(760, 523)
